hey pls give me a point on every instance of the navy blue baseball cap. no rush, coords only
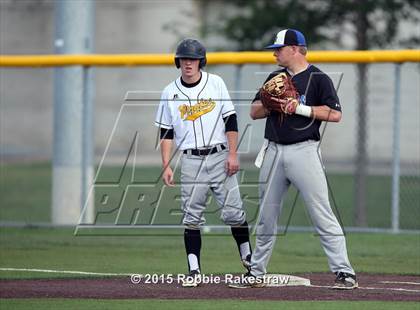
(288, 37)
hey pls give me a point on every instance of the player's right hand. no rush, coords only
(168, 177)
(232, 164)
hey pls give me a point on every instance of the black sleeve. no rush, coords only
(257, 96)
(327, 94)
(272, 74)
(231, 123)
(166, 133)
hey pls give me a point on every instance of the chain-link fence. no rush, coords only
(358, 152)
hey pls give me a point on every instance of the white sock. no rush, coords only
(245, 249)
(193, 261)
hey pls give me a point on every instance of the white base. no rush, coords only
(277, 280)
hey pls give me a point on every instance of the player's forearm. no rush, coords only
(258, 111)
(232, 139)
(325, 113)
(165, 151)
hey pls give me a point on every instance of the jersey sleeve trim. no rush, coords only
(162, 125)
(227, 113)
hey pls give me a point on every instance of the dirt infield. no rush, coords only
(371, 287)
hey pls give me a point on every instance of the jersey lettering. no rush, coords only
(191, 113)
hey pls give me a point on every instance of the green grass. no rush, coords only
(295, 252)
(25, 193)
(25, 196)
(200, 304)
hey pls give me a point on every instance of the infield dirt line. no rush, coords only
(129, 274)
(65, 271)
(373, 288)
(399, 282)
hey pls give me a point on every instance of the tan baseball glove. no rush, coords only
(279, 94)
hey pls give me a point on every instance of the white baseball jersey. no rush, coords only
(196, 113)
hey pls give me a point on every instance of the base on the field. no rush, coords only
(275, 280)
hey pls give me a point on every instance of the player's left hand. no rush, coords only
(232, 164)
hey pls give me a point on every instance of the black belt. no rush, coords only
(205, 152)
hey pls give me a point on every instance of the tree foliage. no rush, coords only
(370, 23)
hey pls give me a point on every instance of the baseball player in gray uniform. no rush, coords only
(291, 157)
(196, 111)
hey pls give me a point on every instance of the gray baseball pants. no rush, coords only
(300, 165)
(199, 174)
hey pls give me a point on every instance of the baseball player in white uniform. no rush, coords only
(196, 111)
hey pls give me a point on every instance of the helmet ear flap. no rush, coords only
(177, 64)
(203, 62)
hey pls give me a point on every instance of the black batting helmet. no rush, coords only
(192, 49)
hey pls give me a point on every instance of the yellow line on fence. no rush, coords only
(237, 58)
